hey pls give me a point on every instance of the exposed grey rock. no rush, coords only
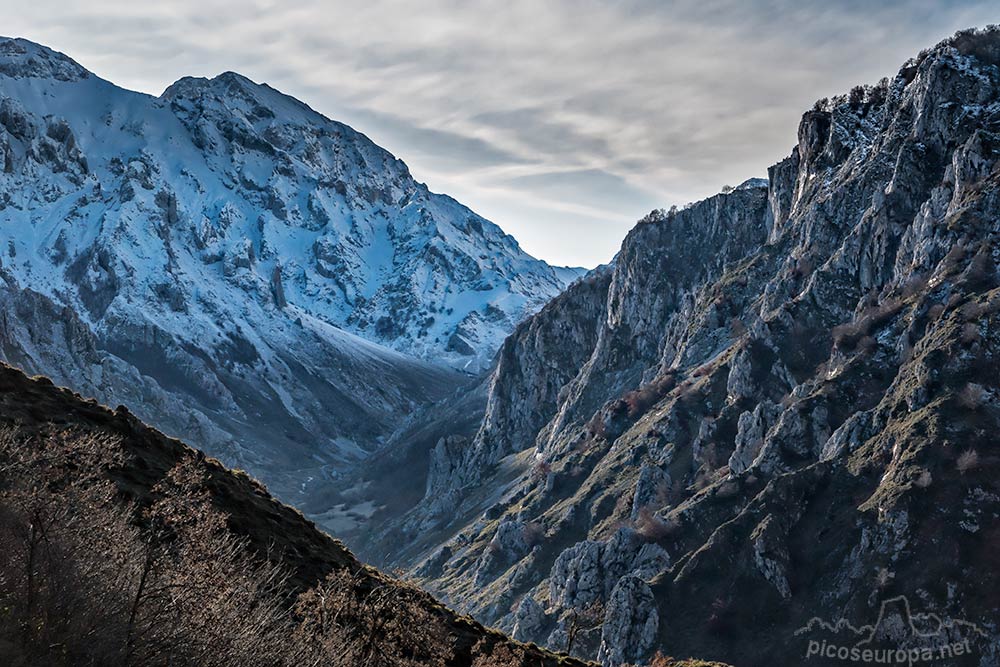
(434, 566)
(576, 577)
(740, 383)
(848, 436)
(652, 485)
(752, 428)
(530, 620)
(771, 555)
(445, 471)
(549, 348)
(630, 623)
(509, 545)
(651, 561)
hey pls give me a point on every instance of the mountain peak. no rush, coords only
(23, 59)
(224, 83)
(262, 242)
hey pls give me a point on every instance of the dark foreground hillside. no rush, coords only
(122, 546)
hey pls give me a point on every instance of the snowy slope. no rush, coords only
(223, 253)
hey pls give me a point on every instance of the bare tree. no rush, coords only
(589, 618)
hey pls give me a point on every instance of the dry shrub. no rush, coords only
(88, 578)
(953, 257)
(916, 284)
(606, 421)
(350, 620)
(979, 43)
(973, 311)
(847, 336)
(967, 461)
(972, 396)
(936, 311)
(540, 471)
(585, 620)
(597, 428)
(498, 655)
(661, 660)
(642, 399)
(970, 333)
(653, 527)
(533, 533)
(87, 582)
(923, 479)
(981, 269)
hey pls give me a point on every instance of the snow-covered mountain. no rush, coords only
(237, 266)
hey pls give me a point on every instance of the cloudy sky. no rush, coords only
(561, 120)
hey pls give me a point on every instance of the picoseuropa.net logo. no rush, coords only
(898, 637)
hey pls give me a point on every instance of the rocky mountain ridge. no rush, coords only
(246, 272)
(777, 404)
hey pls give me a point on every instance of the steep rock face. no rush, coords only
(631, 623)
(223, 253)
(792, 395)
(536, 362)
(694, 247)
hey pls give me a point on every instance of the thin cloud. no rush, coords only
(563, 119)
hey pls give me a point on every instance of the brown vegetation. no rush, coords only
(847, 336)
(640, 400)
(583, 620)
(972, 396)
(87, 581)
(123, 547)
(652, 527)
(661, 660)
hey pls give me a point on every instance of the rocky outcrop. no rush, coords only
(529, 619)
(751, 430)
(631, 623)
(651, 488)
(588, 571)
(511, 543)
(582, 584)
